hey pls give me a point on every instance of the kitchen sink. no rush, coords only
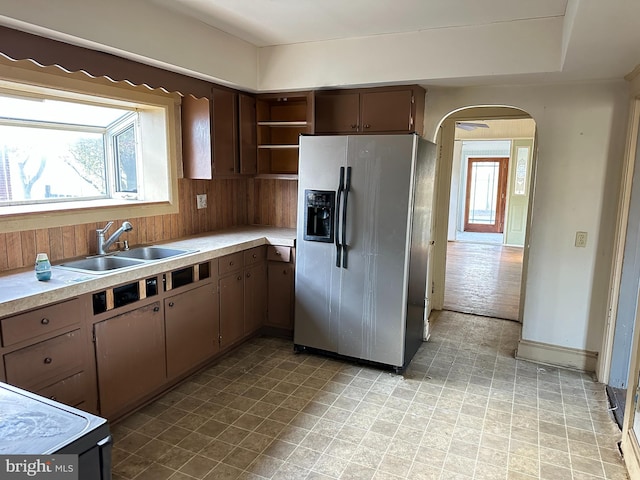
(151, 253)
(127, 258)
(100, 264)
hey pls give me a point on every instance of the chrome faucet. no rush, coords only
(103, 245)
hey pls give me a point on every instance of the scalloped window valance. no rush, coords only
(18, 45)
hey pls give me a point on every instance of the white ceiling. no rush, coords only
(279, 22)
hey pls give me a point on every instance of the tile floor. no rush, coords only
(465, 409)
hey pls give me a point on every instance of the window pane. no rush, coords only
(127, 180)
(42, 164)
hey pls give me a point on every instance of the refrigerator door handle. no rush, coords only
(337, 219)
(347, 187)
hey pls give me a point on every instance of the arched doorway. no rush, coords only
(512, 133)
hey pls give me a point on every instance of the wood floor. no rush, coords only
(483, 279)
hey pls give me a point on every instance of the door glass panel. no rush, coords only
(483, 197)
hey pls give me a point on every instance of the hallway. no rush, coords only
(483, 279)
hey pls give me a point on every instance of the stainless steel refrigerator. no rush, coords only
(364, 226)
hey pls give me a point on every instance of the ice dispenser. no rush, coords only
(319, 215)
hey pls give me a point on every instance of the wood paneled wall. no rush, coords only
(273, 202)
(227, 207)
(231, 202)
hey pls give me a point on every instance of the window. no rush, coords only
(59, 151)
(84, 150)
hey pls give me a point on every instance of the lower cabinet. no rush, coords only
(192, 328)
(243, 297)
(281, 277)
(130, 357)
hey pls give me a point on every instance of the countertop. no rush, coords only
(19, 290)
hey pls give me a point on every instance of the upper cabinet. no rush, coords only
(218, 135)
(370, 110)
(281, 118)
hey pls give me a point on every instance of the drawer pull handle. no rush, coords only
(171, 304)
(48, 360)
(156, 309)
(44, 321)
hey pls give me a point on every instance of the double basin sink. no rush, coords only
(123, 259)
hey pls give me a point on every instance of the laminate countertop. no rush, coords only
(20, 291)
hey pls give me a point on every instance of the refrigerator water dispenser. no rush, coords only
(319, 215)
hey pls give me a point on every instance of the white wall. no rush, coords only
(581, 132)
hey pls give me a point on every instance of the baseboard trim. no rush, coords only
(557, 356)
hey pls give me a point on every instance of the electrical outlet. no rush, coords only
(201, 201)
(581, 239)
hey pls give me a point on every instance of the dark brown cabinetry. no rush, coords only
(372, 110)
(281, 287)
(192, 328)
(281, 119)
(243, 286)
(130, 357)
(218, 135)
(46, 351)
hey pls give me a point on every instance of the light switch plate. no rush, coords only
(201, 201)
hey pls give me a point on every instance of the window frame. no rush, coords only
(162, 112)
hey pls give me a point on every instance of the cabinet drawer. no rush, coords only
(45, 360)
(70, 391)
(38, 322)
(230, 263)
(276, 253)
(254, 255)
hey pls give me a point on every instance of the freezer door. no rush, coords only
(373, 295)
(318, 281)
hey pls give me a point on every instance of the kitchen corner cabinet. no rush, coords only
(281, 119)
(243, 286)
(281, 287)
(45, 351)
(218, 135)
(370, 111)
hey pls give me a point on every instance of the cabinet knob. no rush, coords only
(248, 275)
(284, 272)
(254, 255)
(366, 125)
(156, 309)
(48, 360)
(278, 253)
(230, 264)
(354, 126)
(171, 304)
(44, 321)
(239, 277)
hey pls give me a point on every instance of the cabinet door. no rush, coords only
(231, 308)
(255, 297)
(280, 307)
(130, 357)
(386, 111)
(337, 113)
(192, 328)
(248, 134)
(225, 139)
(196, 137)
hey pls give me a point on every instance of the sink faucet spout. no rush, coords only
(104, 244)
